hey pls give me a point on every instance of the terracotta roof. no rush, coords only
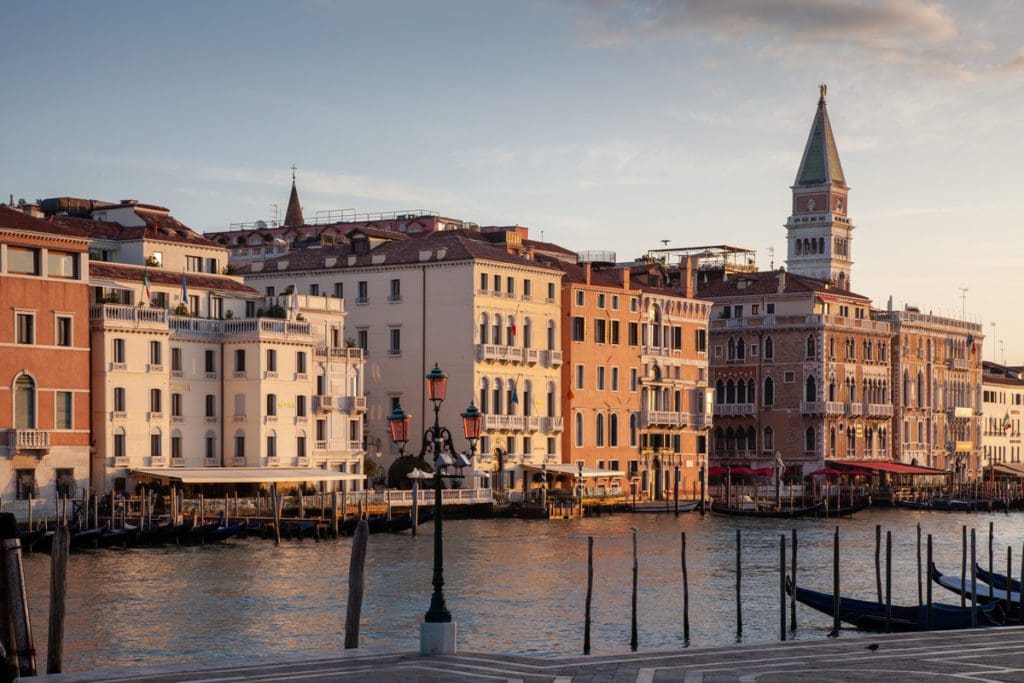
(604, 277)
(158, 276)
(549, 247)
(159, 226)
(767, 282)
(293, 215)
(458, 245)
(17, 220)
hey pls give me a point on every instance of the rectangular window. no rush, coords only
(271, 360)
(211, 363)
(579, 376)
(156, 353)
(396, 291)
(300, 405)
(579, 325)
(527, 289)
(211, 405)
(194, 264)
(26, 484)
(211, 265)
(339, 290)
(702, 340)
(770, 309)
(271, 405)
(175, 448)
(634, 334)
(239, 360)
(600, 377)
(159, 300)
(175, 405)
(62, 264)
(270, 290)
(26, 328)
(600, 331)
(580, 297)
(497, 283)
(240, 446)
(119, 399)
(601, 300)
(22, 260)
(63, 401)
(156, 403)
(193, 305)
(395, 347)
(155, 445)
(510, 286)
(119, 445)
(633, 379)
(613, 337)
(677, 338)
(483, 282)
(65, 479)
(615, 379)
(363, 340)
(314, 289)
(300, 362)
(363, 293)
(271, 446)
(62, 335)
(551, 291)
(175, 359)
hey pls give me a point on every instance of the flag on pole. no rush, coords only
(1007, 425)
(515, 395)
(293, 303)
(145, 283)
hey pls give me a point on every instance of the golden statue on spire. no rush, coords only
(823, 88)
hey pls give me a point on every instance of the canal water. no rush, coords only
(513, 586)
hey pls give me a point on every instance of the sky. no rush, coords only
(608, 124)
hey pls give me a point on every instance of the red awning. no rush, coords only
(716, 471)
(825, 472)
(763, 472)
(894, 467)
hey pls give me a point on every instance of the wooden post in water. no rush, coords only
(632, 631)
(1020, 606)
(415, 505)
(334, 511)
(1009, 579)
(963, 567)
(590, 594)
(974, 580)
(30, 506)
(792, 599)
(58, 591)
(835, 582)
(920, 588)
(356, 585)
(739, 581)
(878, 561)
(990, 566)
(929, 619)
(15, 596)
(888, 581)
(686, 594)
(302, 504)
(782, 586)
(274, 502)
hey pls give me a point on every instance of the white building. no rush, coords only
(1002, 391)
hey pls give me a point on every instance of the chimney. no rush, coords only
(890, 303)
(625, 278)
(689, 272)
(586, 270)
(782, 280)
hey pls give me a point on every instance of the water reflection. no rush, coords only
(513, 586)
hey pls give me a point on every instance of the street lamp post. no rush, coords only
(438, 632)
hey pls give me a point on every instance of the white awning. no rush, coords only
(242, 475)
(562, 468)
(109, 284)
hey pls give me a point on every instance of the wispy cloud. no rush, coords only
(916, 34)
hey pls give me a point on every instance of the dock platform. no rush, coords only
(980, 654)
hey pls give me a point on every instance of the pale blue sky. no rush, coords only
(606, 124)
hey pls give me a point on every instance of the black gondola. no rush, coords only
(784, 513)
(847, 510)
(997, 580)
(914, 504)
(870, 616)
(961, 587)
(30, 538)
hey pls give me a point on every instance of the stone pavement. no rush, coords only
(973, 655)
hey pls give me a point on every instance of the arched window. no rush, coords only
(656, 327)
(730, 349)
(551, 335)
(730, 392)
(496, 397)
(599, 430)
(552, 404)
(483, 328)
(484, 387)
(527, 334)
(527, 397)
(821, 245)
(799, 248)
(906, 388)
(751, 439)
(579, 430)
(768, 440)
(719, 445)
(811, 393)
(741, 439)
(511, 397)
(920, 390)
(613, 430)
(750, 391)
(730, 439)
(24, 402)
(810, 346)
(832, 388)
(271, 444)
(741, 349)
(156, 443)
(741, 391)
(769, 348)
(719, 391)
(832, 441)
(769, 391)
(809, 440)
(510, 331)
(632, 429)
(496, 330)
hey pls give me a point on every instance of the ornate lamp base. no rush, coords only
(437, 638)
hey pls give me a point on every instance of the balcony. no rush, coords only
(155, 415)
(533, 423)
(117, 316)
(835, 408)
(727, 409)
(158, 461)
(270, 374)
(120, 461)
(320, 445)
(302, 461)
(119, 415)
(212, 462)
(352, 404)
(656, 351)
(270, 419)
(961, 413)
(879, 410)
(27, 440)
(273, 461)
(323, 403)
(963, 446)
(663, 418)
(532, 356)
(812, 407)
(959, 364)
(238, 461)
(346, 353)
(552, 359)
(177, 462)
(699, 421)
(854, 408)
(553, 424)
(498, 352)
(504, 422)
(238, 418)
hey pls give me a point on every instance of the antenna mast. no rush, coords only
(963, 302)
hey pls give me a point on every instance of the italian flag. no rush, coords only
(1007, 425)
(145, 283)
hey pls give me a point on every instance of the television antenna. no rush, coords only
(963, 302)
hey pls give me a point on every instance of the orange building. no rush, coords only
(44, 366)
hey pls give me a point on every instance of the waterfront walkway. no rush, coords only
(978, 655)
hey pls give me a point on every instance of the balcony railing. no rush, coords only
(323, 403)
(533, 423)
(346, 353)
(158, 461)
(273, 461)
(302, 461)
(553, 424)
(552, 359)
(120, 461)
(352, 404)
(662, 418)
(734, 409)
(812, 407)
(854, 408)
(532, 355)
(27, 440)
(880, 410)
(835, 408)
(119, 315)
(504, 422)
(961, 413)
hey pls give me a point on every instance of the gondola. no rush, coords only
(299, 528)
(786, 514)
(953, 505)
(118, 538)
(914, 504)
(222, 533)
(660, 506)
(962, 587)
(870, 616)
(80, 540)
(30, 538)
(847, 510)
(996, 580)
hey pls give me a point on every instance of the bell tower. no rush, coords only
(819, 232)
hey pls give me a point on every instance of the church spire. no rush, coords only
(293, 216)
(820, 164)
(819, 231)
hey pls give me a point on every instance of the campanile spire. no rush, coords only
(819, 231)
(293, 216)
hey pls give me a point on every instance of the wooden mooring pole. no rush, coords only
(1009, 578)
(782, 586)
(990, 561)
(888, 581)
(16, 597)
(356, 585)
(929, 618)
(739, 581)
(590, 594)
(974, 580)
(58, 592)
(878, 561)
(415, 505)
(835, 583)
(963, 566)
(920, 586)
(686, 593)
(275, 502)
(633, 630)
(792, 599)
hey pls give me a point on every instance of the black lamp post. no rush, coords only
(437, 441)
